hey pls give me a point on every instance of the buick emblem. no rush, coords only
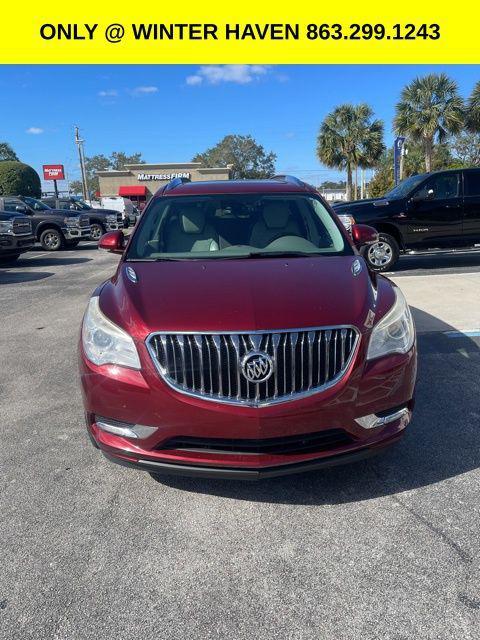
(257, 366)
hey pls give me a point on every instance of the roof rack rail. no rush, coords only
(173, 184)
(287, 178)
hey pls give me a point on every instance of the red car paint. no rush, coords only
(244, 295)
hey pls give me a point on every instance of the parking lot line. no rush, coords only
(37, 255)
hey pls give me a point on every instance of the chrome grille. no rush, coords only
(304, 361)
(21, 226)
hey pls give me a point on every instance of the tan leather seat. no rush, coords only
(275, 221)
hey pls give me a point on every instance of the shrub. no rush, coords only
(18, 179)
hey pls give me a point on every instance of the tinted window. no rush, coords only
(11, 205)
(236, 226)
(472, 183)
(442, 187)
(404, 188)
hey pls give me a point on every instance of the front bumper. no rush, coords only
(76, 233)
(141, 397)
(10, 243)
(113, 226)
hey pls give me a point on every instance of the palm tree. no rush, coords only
(349, 138)
(429, 110)
(473, 110)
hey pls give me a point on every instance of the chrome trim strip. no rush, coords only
(249, 402)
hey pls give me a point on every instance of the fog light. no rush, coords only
(124, 429)
(372, 421)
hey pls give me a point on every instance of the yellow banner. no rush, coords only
(247, 32)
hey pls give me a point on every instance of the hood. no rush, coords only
(348, 207)
(67, 213)
(239, 295)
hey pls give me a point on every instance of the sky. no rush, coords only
(170, 113)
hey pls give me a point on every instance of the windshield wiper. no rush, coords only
(282, 254)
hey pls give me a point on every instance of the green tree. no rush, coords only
(466, 149)
(349, 138)
(247, 157)
(473, 110)
(429, 111)
(115, 162)
(17, 178)
(7, 153)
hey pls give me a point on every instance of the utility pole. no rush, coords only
(362, 184)
(79, 142)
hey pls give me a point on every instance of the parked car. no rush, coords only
(431, 211)
(101, 220)
(54, 229)
(243, 336)
(125, 206)
(16, 236)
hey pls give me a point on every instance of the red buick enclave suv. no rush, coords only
(243, 336)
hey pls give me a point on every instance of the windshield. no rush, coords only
(403, 189)
(79, 204)
(35, 204)
(236, 226)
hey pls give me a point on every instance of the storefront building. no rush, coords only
(140, 181)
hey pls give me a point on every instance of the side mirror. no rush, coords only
(363, 235)
(20, 208)
(114, 241)
(423, 195)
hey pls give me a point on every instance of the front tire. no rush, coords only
(382, 255)
(52, 240)
(96, 231)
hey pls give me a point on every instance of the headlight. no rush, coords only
(71, 222)
(104, 342)
(6, 227)
(395, 333)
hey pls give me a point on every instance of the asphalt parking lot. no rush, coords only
(387, 548)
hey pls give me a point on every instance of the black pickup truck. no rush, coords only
(430, 211)
(16, 235)
(53, 229)
(101, 220)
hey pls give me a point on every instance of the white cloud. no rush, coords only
(144, 91)
(236, 73)
(193, 80)
(109, 93)
(34, 131)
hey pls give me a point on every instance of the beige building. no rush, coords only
(140, 181)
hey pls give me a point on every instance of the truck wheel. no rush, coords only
(382, 255)
(8, 259)
(96, 231)
(52, 240)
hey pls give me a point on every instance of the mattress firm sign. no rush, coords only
(146, 177)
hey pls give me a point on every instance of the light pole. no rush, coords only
(79, 142)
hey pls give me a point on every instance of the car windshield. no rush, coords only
(236, 226)
(403, 189)
(36, 204)
(79, 204)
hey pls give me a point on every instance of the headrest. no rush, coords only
(276, 214)
(192, 220)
